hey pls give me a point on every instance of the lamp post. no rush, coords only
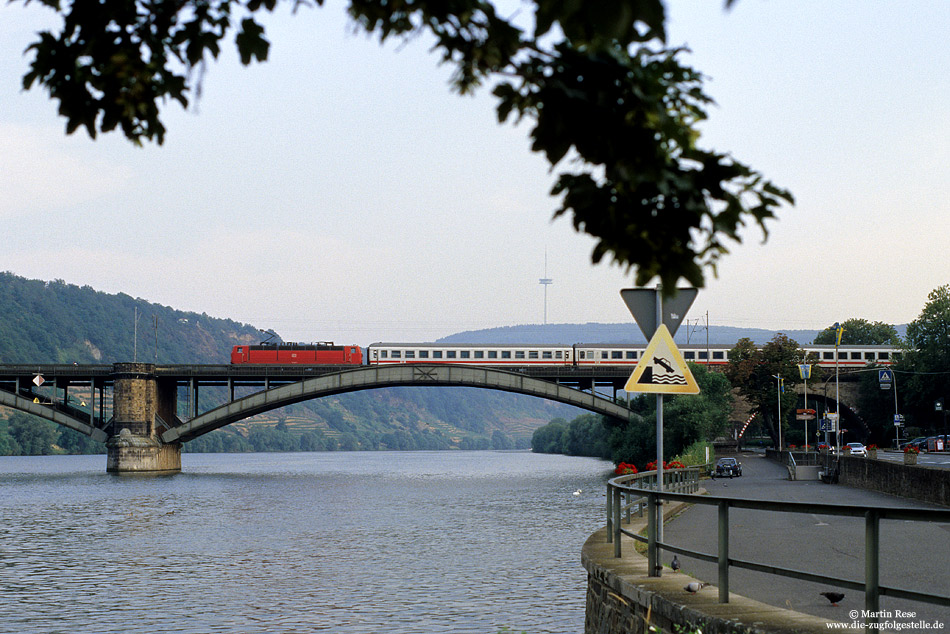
(778, 392)
(838, 331)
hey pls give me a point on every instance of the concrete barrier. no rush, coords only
(917, 482)
(623, 599)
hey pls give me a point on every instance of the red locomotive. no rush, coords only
(321, 353)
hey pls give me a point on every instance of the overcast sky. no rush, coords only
(341, 192)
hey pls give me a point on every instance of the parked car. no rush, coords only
(913, 443)
(930, 443)
(728, 467)
(856, 449)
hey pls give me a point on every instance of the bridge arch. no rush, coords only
(374, 377)
(17, 402)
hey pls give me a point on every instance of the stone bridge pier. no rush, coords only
(141, 405)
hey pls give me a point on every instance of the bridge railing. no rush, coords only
(640, 487)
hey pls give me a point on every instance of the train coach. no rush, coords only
(525, 355)
(582, 355)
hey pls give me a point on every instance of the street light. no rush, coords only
(778, 392)
(838, 331)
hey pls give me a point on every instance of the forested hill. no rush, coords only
(56, 322)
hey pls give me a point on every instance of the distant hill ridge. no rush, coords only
(568, 334)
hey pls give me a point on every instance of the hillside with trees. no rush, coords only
(57, 322)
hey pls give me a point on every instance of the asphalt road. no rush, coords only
(915, 555)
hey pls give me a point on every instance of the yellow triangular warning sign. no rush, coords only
(661, 369)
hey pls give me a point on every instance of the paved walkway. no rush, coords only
(915, 555)
(929, 459)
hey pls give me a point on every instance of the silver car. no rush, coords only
(856, 449)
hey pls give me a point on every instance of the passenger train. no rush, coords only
(523, 355)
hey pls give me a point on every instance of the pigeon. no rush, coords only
(834, 597)
(675, 564)
(695, 586)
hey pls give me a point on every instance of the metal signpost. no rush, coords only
(804, 369)
(659, 322)
(939, 442)
(886, 379)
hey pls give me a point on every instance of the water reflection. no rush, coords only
(398, 542)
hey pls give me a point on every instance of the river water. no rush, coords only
(394, 542)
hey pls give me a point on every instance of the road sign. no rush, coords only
(642, 305)
(38, 380)
(661, 369)
(898, 420)
(826, 425)
(805, 414)
(885, 378)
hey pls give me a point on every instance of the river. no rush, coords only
(394, 542)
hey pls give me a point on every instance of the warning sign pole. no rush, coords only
(658, 567)
(657, 326)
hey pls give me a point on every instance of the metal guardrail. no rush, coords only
(619, 488)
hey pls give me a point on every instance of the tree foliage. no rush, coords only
(26, 435)
(753, 370)
(926, 362)
(860, 332)
(686, 419)
(598, 79)
(56, 322)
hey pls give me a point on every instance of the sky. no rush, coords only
(341, 192)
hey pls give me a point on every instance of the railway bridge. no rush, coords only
(134, 407)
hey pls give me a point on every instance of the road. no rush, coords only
(915, 556)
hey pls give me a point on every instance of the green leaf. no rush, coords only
(251, 43)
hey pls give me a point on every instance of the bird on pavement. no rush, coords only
(695, 586)
(834, 597)
(675, 564)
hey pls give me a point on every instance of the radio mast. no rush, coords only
(545, 282)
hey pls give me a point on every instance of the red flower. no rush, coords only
(625, 468)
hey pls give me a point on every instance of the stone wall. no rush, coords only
(623, 599)
(918, 482)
